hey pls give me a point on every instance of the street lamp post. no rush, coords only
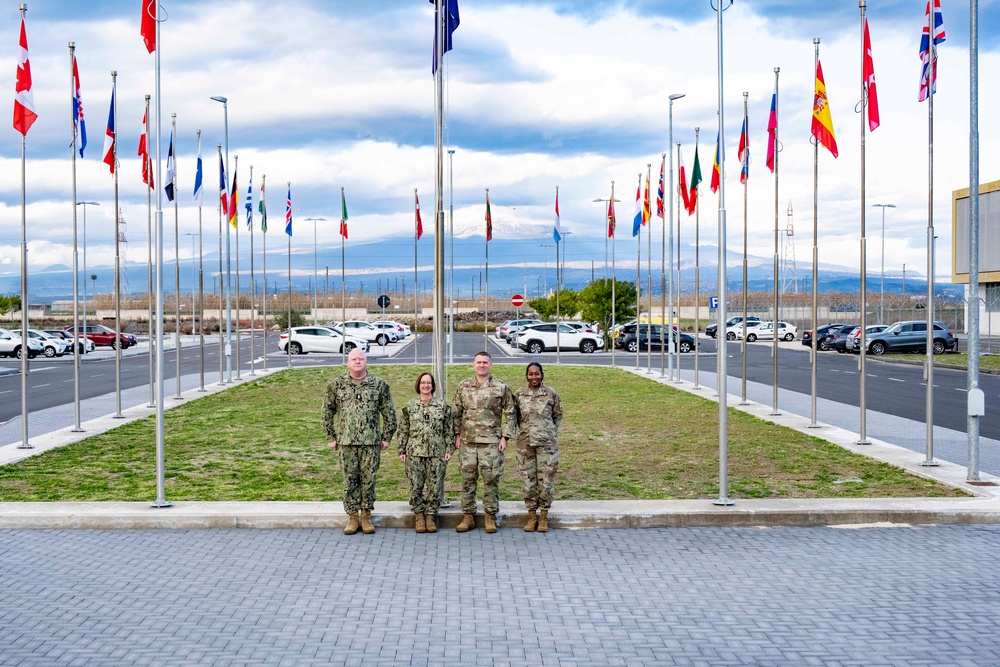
(881, 296)
(315, 221)
(85, 204)
(229, 277)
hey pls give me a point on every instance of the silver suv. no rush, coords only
(10, 345)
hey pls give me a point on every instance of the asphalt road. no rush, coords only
(895, 389)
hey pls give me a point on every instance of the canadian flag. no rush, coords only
(24, 100)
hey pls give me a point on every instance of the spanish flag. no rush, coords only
(822, 122)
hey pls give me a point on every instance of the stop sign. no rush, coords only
(517, 301)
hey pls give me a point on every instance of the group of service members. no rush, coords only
(360, 421)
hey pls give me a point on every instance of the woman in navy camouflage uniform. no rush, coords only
(425, 444)
(539, 411)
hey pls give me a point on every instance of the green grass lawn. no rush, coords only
(622, 437)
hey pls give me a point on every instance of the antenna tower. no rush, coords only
(789, 275)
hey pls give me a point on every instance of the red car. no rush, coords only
(101, 335)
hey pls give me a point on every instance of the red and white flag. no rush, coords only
(24, 100)
(419, 223)
(869, 76)
(147, 167)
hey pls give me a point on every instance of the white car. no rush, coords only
(398, 328)
(319, 339)
(85, 344)
(765, 331)
(538, 338)
(10, 345)
(53, 347)
(368, 331)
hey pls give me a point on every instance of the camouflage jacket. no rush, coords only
(539, 413)
(426, 429)
(351, 411)
(484, 413)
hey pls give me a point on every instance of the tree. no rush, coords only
(281, 319)
(9, 304)
(569, 304)
(595, 301)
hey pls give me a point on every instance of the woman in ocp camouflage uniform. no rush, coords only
(426, 442)
(539, 411)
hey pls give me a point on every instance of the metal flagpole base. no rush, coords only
(119, 416)
(202, 390)
(775, 413)
(26, 445)
(724, 502)
(151, 405)
(929, 463)
(161, 504)
(77, 429)
(743, 402)
(177, 398)
(863, 441)
(815, 425)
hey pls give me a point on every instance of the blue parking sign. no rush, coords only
(713, 302)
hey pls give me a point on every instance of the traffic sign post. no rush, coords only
(713, 302)
(383, 303)
(517, 301)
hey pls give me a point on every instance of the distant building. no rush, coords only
(987, 294)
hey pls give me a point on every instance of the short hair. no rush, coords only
(416, 385)
(536, 365)
(484, 353)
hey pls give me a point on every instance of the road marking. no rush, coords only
(897, 380)
(959, 388)
(39, 386)
(8, 391)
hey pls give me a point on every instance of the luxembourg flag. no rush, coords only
(109, 136)
(556, 230)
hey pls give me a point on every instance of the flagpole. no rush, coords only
(558, 287)
(638, 266)
(720, 331)
(76, 277)
(151, 295)
(486, 300)
(777, 314)
(118, 296)
(201, 284)
(161, 501)
(666, 304)
(862, 401)
(222, 345)
(815, 258)
(438, 335)
(972, 372)
(648, 221)
(343, 283)
(263, 257)
(929, 310)
(745, 177)
(177, 271)
(24, 292)
(416, 294)
(253, 291)
(677, 283)
(234, 219)
(614, 278)
(288, 349)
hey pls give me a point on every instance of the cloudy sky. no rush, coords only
(570, 93)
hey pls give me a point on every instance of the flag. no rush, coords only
(637, 218)
(24, 99)
(451, 9)
(143, 152)
(556, 229)
(822, 121)
(928, 54)
(489, 219)
(249, 204)
(645, 203)
(419, 223)
(743, 153)
(234, 200)
(147, 24)
(716, 175)
(659, 191)
(78, 122)
(868, 67)
(611, 216)
(262, 209)
(695, 182)
(682, 182)
(772, 128)
(109, 136)
(171, 170)
(223, 193)
(288, 211)
(343, 214)
(198, 176)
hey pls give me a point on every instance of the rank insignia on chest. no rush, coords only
(427, 417)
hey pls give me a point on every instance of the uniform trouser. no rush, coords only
(425, 474)
(485, 460)
(538, 473)
(359, 464)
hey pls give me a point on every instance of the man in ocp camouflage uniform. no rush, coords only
(360, 420)
(485, 420)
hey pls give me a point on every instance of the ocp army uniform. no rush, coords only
(359, 415)
(539, 413)
(426, 434)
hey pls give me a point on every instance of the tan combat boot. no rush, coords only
(543, 521)
(366, 522)
(491, 523)
(532, 522)
(430, 523)
(468, 523)
(421, 526)
(352, 525)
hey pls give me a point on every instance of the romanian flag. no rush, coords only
(716, 175)
(489, 219)
(822, 121)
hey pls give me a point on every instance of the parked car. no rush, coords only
(649, 337)
(911, 336)
(85, 344)
(401, 330)
(765, 331)
(821, 332)
(836, 338)
(538, 338)
(854, 339)
(11, 346)
(52, 346)
(102, 335)
(513, 326)
(712, 329)
(366, 330)
(319, 339)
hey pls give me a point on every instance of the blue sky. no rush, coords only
(559, 92)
